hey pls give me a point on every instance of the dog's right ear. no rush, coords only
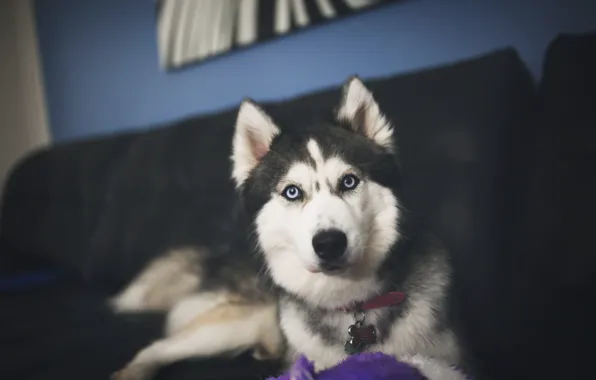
(253, 135)
(360, 111)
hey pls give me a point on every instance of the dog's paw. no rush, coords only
(133, 372)
(261, 353)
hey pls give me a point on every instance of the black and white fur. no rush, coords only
(324, 206)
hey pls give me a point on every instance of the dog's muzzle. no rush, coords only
(330, 246)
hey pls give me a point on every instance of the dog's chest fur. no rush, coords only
(418, 325)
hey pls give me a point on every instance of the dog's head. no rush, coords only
(324, 200)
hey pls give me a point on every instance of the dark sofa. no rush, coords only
(501, 167)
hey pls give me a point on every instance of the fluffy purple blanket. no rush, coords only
(374, 366)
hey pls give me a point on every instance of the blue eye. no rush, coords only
(348, 182)
(292, 193)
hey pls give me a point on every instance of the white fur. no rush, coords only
(368, 216)
(304, 342)
(405, 336)
(131, 299)
(357, 98)
(253, 135)
(165, 280)
(188, 308)
(194, 326)
(416, 330)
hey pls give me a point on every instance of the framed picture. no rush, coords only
(191, 31)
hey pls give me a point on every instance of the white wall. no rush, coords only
(23, 119)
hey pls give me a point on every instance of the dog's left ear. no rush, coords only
(361, 112)
(253, 135)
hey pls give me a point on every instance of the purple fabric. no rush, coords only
(365, 366)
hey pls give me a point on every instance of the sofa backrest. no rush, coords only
(101, 208)
(53, 199)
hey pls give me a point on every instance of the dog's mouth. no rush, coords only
(329, 268)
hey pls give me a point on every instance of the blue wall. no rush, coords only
(102, 74)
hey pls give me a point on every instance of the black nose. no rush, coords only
(330, 244)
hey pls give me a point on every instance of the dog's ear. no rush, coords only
(253, 135)
(359, 110)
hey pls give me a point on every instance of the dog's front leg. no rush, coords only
(227, 329)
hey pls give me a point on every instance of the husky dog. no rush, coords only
(345, 270)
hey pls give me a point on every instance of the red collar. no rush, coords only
(384, 300)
